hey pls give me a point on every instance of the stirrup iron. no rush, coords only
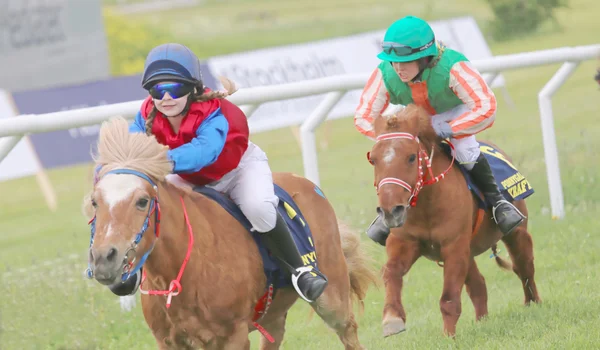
(295, 277)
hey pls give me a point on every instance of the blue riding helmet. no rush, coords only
(171, 62)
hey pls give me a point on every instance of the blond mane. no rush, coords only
(412, 119)
(118, 148)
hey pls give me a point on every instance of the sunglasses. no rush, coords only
(175, 90)
(403, 50)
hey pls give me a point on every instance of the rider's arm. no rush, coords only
(468, 84)
(373, 101)
(205, 148)
(138, 125)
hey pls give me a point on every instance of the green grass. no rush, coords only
(51, 306)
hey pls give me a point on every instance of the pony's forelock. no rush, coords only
(412, 119)
(118, 148)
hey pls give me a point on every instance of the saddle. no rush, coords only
(294, 219)
(512, 184)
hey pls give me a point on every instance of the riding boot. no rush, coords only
(506, 215)
(129, 287)
(308, 283)
(378, 231)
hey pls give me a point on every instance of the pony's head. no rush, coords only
(124, 200)
(396, 158)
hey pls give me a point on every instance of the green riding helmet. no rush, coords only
(408, 39)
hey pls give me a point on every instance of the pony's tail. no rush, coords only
(502, 263)
(360, 265)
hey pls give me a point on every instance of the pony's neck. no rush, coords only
(428, 198)
(220, 250)
(171, 247)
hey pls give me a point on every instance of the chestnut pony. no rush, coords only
(444, 224)
(200, 259)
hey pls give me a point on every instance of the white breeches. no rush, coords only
(466, 149)
(250, 186)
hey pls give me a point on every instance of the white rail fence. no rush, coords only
(13, 129)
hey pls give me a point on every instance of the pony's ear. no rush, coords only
(425, 127)
(426, 131)
(379, 124)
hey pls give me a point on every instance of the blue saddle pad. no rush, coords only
(295, 221)
(512, 184)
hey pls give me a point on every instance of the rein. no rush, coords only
(422, 156)
(128, 264)
(175, 285)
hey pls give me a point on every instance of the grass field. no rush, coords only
(47, 304)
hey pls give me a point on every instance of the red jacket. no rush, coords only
(235, 145)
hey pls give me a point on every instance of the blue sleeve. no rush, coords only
(205, 148)
(138, 125)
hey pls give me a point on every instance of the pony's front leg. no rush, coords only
(456, 257)
(402, 254)
(238, 338)
(475, 283)
(158, 322)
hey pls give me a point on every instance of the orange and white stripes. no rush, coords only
(465, 81)
(469, 86)
(373, 101)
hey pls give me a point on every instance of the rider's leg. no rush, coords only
(253, 192)
(467, 152)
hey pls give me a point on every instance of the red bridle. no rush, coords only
(422, 156)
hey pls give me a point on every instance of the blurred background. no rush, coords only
(58, 55)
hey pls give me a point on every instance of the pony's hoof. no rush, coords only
(393, 326)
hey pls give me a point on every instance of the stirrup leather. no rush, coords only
(302, 270)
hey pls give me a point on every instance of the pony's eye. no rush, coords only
(142, 203)
(412, 158)
(94, 204)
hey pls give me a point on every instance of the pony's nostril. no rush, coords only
(397, 210)
(380, 211)
(112, 254)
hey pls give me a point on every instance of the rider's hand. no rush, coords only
(442, 128)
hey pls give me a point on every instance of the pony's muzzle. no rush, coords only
(105, 264)
(394, 217)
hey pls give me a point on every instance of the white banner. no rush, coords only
(21, 160)
(344, 55)
(47, 43)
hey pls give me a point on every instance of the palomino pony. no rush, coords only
(424, 199)
(201, 262)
